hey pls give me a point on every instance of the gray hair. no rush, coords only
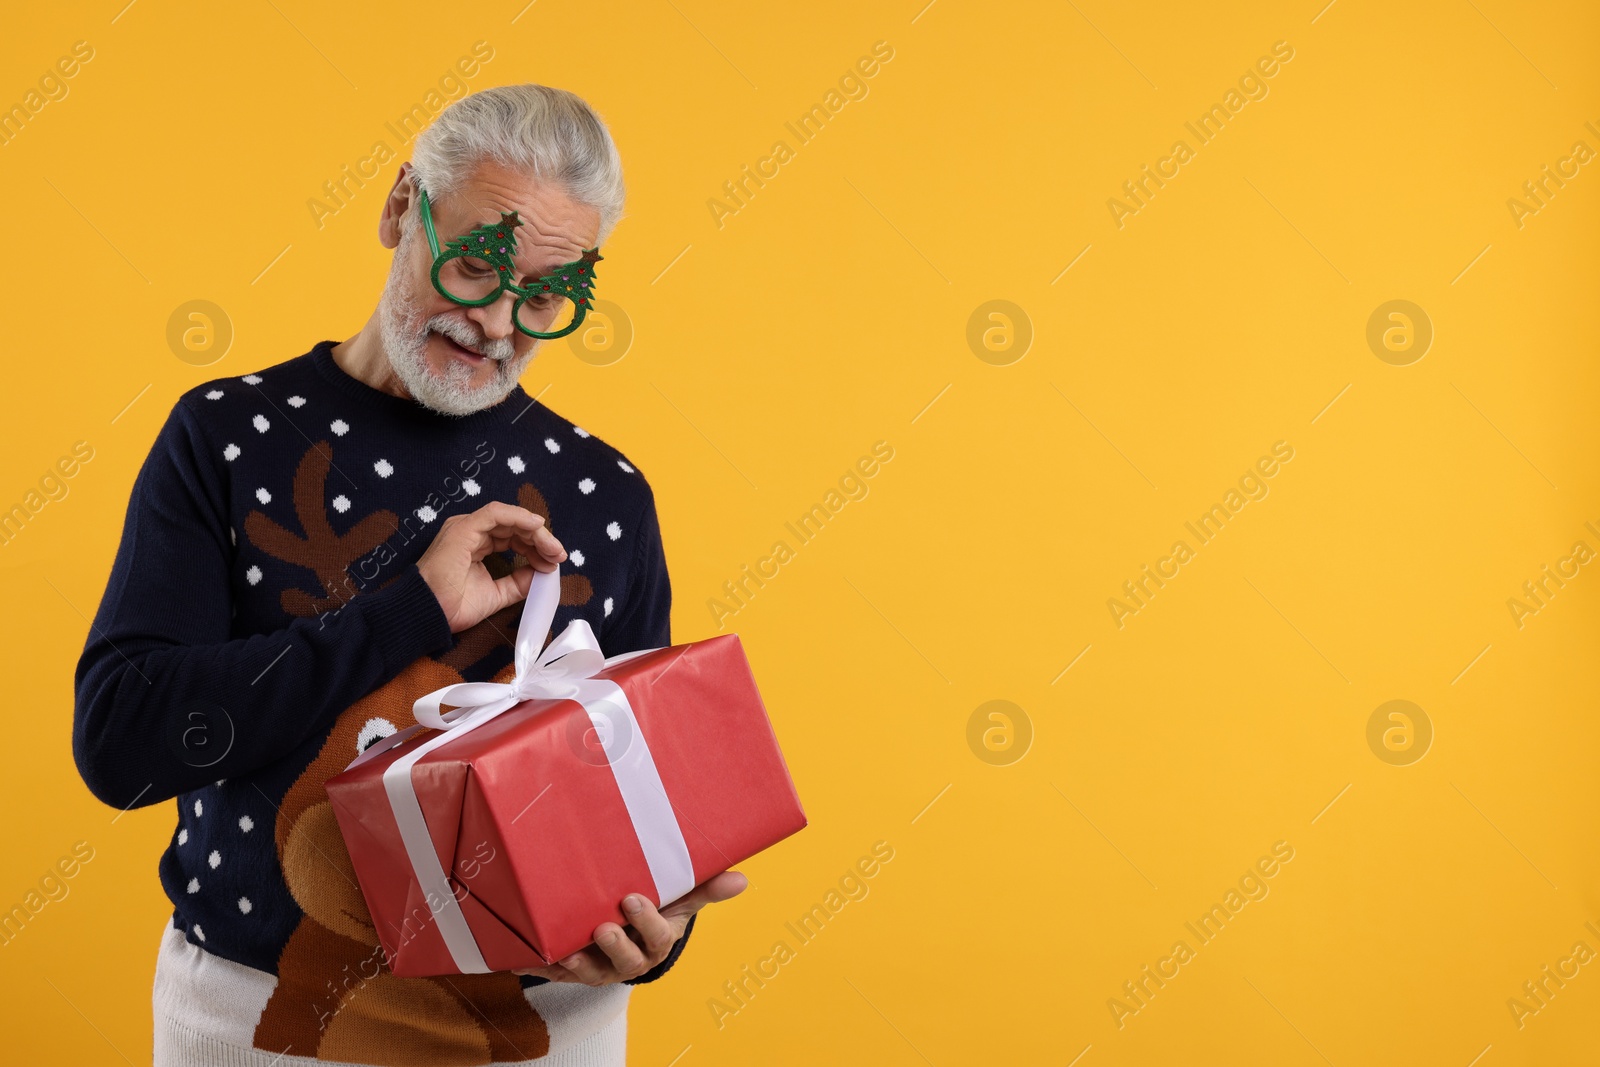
(551, 132)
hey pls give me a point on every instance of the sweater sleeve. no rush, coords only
(645, 620)
(165, 702)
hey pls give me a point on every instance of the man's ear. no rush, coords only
(401, 196)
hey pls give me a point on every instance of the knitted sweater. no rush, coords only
(264, 622)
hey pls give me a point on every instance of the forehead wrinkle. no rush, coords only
(488, 211)
(523, 245)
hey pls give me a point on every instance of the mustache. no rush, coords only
(469, 337)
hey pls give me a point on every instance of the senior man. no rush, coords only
(310, 547)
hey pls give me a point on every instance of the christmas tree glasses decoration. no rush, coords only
(476, 267)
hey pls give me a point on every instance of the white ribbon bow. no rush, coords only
(552, 673)
(564, 670)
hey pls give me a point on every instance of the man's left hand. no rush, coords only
(623, 952)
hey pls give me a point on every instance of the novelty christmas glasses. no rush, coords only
(476, 267)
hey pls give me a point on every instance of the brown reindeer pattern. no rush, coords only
(334, 1000)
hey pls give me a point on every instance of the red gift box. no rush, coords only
(499, 835)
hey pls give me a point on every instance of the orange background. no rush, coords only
(773, 346)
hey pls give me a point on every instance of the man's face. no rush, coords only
(457, 359)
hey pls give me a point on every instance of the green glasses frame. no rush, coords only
(495, 243)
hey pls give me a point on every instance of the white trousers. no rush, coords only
(206, 1008)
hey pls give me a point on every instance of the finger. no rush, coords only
(527, 552)
(479, 543)
(656, 929)
(543, 555)
(513, 588)
(626, 957)
(503, 533)
(587, 967)
(713, 890)
(498, 517)
(517, 539)
(548, 544)
(536, 544)
(500, 513)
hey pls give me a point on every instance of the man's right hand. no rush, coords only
(453, 565)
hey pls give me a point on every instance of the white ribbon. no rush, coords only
(563, 671)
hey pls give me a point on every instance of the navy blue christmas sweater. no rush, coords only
(265, 621)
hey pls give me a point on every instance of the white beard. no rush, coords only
(405, 336)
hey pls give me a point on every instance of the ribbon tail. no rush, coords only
(639, 781)
(538, 615)
(430, 873)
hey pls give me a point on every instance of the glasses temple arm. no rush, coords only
(427, 221)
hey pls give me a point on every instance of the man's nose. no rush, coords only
(494, 318)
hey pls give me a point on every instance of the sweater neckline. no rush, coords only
(512, 407)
